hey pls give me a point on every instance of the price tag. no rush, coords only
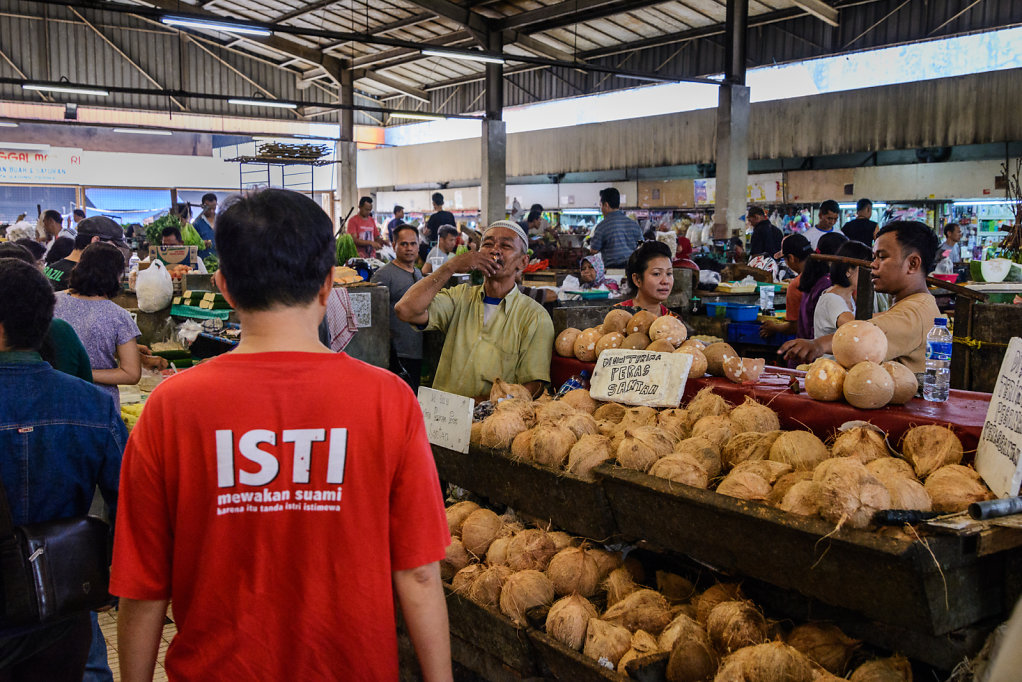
(634, 377)
(1000, 444)
(448, 418)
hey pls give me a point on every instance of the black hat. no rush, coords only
(794, 245)
(107, 230)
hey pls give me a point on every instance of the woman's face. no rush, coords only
(587, 273)
(794, 263)
(658, 279)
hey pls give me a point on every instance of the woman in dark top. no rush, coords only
(814, 280)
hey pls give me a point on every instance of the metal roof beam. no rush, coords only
(474, 23)
(537, 46)
(388, 27)
(567, 12)
(819, 9)
(305, 9)
(398, 52)
(393, 84)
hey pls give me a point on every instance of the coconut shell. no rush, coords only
(735, 624)
(890, 466)
(611, 340)
(642, 446)
(530, 549)
(750, 445)
(824, 644)
(643, 644)
(669, 328)
(553, 412)
(618, 585)
(715, 354)
(606, 561)
(606, 641)
(745, 485)
(718, 430)
(590, 451)
(641, 610)
(675, 423)
(580, 400)
(800, 449)
(574, 571)
(551, 444)
(616, 320)
(568, 620)
(825, 380)
(456, 515)
(676, 588)
(849, 494)
(682, 627)
(868, 386)
(766, 469)
(641, 322)
(585, 345)
(501, 390)
(479, 530)
(754, 416)
(694, 343)
(521, 446)
(706, 403)
(581, 424)
(564, 344)
(692, 660)
(905, 383)
(862, 443)
(769, 662)
(716, 594)
(931, 447)
(743, 370)
(500, 428)
(522, 591)
(699, 362)
(894, 669)
(463, 579)
(907, 493)
(682, 469)
(660, 346)
(487, 586)
(611, 412)
(455, 559)
(702, 451)
(803, 498)
(954, 487)
(475, 434)
(523, 408)
(783, 484)
(496, 555)
(637, 341)
(859, 341)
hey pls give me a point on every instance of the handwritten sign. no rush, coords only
(1000, 444)
(362, 308)
(448, 418)
(640, 377)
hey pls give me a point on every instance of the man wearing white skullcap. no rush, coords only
(492, 330)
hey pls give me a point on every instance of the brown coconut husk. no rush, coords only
(639, 416)
(674, 587)
(553, 412)
(862, 443)
(702, 451)
(735, 624)
(674, 422)
(706, 403)
(930, 447)
(717, 594)
(581, 424)
(894, 669)
(641, 610)
(455, 559)
(479, 530)
(692, 660)
(785, 483)
(804, 498)
(641, 446)
(768, 470)
(521, 446)
(717, 429)
(523, 408)
(768, 662)
(456, 515)
(890, 466)
(682, 626)
(954, 487)
(746, 446)
(907, 493)
(475, 434)
(522, 591)
(605, 561)
(530, 549)
(568, 620)
(754, 416)
(496, 555)
(574, 571)
(501, 389)
(580, 400)
(745, 485)
(643, 644)
(550, 445)
(800, 449)
(824, 644)
(486, 587)
(849, 494)
(606, 641)
(463, 579)
(612, 412)
(590, 451)
(561, 539)
(618, 585)
(681, 468)
(500, 428)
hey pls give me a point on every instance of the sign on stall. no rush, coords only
(635, 377)
(1000, 444)
(448, 418)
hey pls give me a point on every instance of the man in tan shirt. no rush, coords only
(902, 255)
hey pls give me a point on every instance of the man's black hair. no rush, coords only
(611, 197)
(949, 228)
(638, 262)
(863, 204)
(78, 212)
(536, 208)
(12, 250)
(276, 248)
(60, 250)
(829, 206)
(398, 208)
(53, 215)
(208, 196)
(172, 231)
(35, 248)
(438, 199)
(401, 227)
(99, 271)
(534, 216)
(850, 249)
(26, 304)
(447, 231)
(182, 210)
(815, 268)
(83, 239)
(755, 210)
(364, 200)
(914, 236)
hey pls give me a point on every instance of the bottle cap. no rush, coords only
(584, 373)
(940, 321)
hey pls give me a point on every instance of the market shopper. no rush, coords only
(861, 228)
(439, 218)
(683, 255)
(592, 274)
(61, 249)
(617, 235)
(836, 306)
(204, 225)
(51, 224)
(444, 249)
(814, 280)
(902, 256)
(492, 330)
(90, 230)
(171, 236)
(795, 250)
(650, 278)
(825, 222)
(952, 235)
(398, 276)
(395, 222)
(232, 482)
(364, 230)
(766, 237)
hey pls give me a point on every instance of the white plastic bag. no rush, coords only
(154, 288)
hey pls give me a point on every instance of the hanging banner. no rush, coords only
(45, 166)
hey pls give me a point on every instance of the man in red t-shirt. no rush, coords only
(362, 226)
(279, 521)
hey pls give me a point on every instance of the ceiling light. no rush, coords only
(472, 57)
(419, 117)
(21, 146)
(983, 202)
(8, 124)
(263, 103)
(214, 26)
(651, 79)
(142, 131)
(70, 89)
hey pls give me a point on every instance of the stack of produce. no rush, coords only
(130, 414)
(595, 602)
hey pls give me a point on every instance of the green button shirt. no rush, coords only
(515, 345)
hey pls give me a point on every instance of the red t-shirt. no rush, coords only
(793, 300)
(630, 303)
(227, 510)
(365, 229)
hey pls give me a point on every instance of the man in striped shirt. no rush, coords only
(617, 235)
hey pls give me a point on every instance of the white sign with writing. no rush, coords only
(43, 166)
(636, 377)
(448, 418)
(362, 309)
(1000, 444)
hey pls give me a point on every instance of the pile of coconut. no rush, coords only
(592, 601)
(858, 372)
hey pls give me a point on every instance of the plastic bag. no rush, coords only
(154, 288)
(188, 331)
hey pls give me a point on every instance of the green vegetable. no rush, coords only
(346, 248)
(212, 263)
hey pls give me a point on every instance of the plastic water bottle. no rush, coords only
(766, 300)
(938, 362)
(133, 262)
(580, 380)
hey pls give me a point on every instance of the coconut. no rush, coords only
(641, 610)
(502, 390)
(800, 449)
(825, 380)
(868, 386)
(530, 549)
(561, 539)
(860, 442)
(522, 407)
(606, 641)
(605, 561)
(522, 591)
(640, 322)
(849, 493)
(930, 447)
(456, 515)
(585, 345)
(744, 485)
(521, 446)
(639, 416)
(487, 586)
(706, 403)
(660, 346)
(683, 626)
(859, 341)
(769, 662)
(718, 430)
(642, 446)
(682, 469)
(455, 559)
(550, 445)
(905, 383)
(479, 530)
(611, 340)
(475, 434)
(674, 422)
(580, 400)
(612, 412)
(554, 411)
(616, 320)
(564, 344)
(590, 451)
(693, 343)
(906, 493)
(581, 424)
(954, 487)
(634, 567)
(785, 483)
(735, 624)
(496, 555)
(766, 469)
(890, 466)
(746, 446)
(643, 644)
(500, 429)
(692, 660)
(717, 594)
(754, 416)
(701, 451)
(464, 578)
(803, 498)
(743, 370)
(568, 619)
(618, 585)
(699, 362)
(674, 587)
(824, 644)
(715, 354)
(637, 341)
(574, 571)
(894, 669)
(670, 328)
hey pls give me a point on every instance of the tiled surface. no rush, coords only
(108, 624)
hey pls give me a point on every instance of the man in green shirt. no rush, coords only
(492, 330)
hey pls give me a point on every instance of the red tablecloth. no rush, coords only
(964, 411)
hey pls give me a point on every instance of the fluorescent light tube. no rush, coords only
(73, 90)
(263, 103)
(418, 117)
(8, 124)
(464, 55)
(142, 131)
(22, 146)
(215, 26)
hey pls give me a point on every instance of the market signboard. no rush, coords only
(43, 166)
(1000, 444)
(635, 377)
(448, 418)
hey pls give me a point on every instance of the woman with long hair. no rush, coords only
(815, 279)
(837, 303)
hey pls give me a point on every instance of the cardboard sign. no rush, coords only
(1000, 444)
(636, 377)
(175, 255)
(448, 418)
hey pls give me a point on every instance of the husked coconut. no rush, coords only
(893, 669)
(660, 346)
(581, 424)
(905, 383)
(735, 624)
(868, 386)
(699, 361)
(574, 571)
(641, 610)
(682, 469)
(683, 626)
(564, 344)
(637, 341)
(674, 422)
(502, 390)
(766, 469)
(643, 644)
(931, 447)
(669, 328)
(524, 408)
(456, 515)
(585, 345)
(642, 446)
(825, 380)
(611, 340)
(640, 322)
(694, 343)
(745, 485)
(639, 416)
(702, 451)
(455, 559)
(486, 587)
(718, 430)
(692, 660)
(612, 412)
(568, 620)
(862, 443)
(748, 446)
(479, 530)
(590, 451)
(605, 561)
(496, 555)
(475, 434)
(715, 354)
(561, 539)
(554, 411)
(463, 579)
(706, 403)
(769, 662)
(743, 370)
(606, 641)
(906, 493)
(530, 549)
(716, 594)
(618, 585)
(849, 493)
(754, 416)
(522, 591)
(616, 320)
(521, 446)
(500, 429)
(954, 487)
(580, 400)
(783, 484)
(676, 588)
(800, 449)
(803, 498)
(824, 644)
(859, 341)
(550, 445)
(890, 466)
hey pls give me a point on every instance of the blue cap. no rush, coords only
(940, 321)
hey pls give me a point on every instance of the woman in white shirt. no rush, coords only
(837, 304)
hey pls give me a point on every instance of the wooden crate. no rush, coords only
(487, 642)
(975, 368)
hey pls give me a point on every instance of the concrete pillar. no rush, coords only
(732, 158)
(493, 171)
(347, 187)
